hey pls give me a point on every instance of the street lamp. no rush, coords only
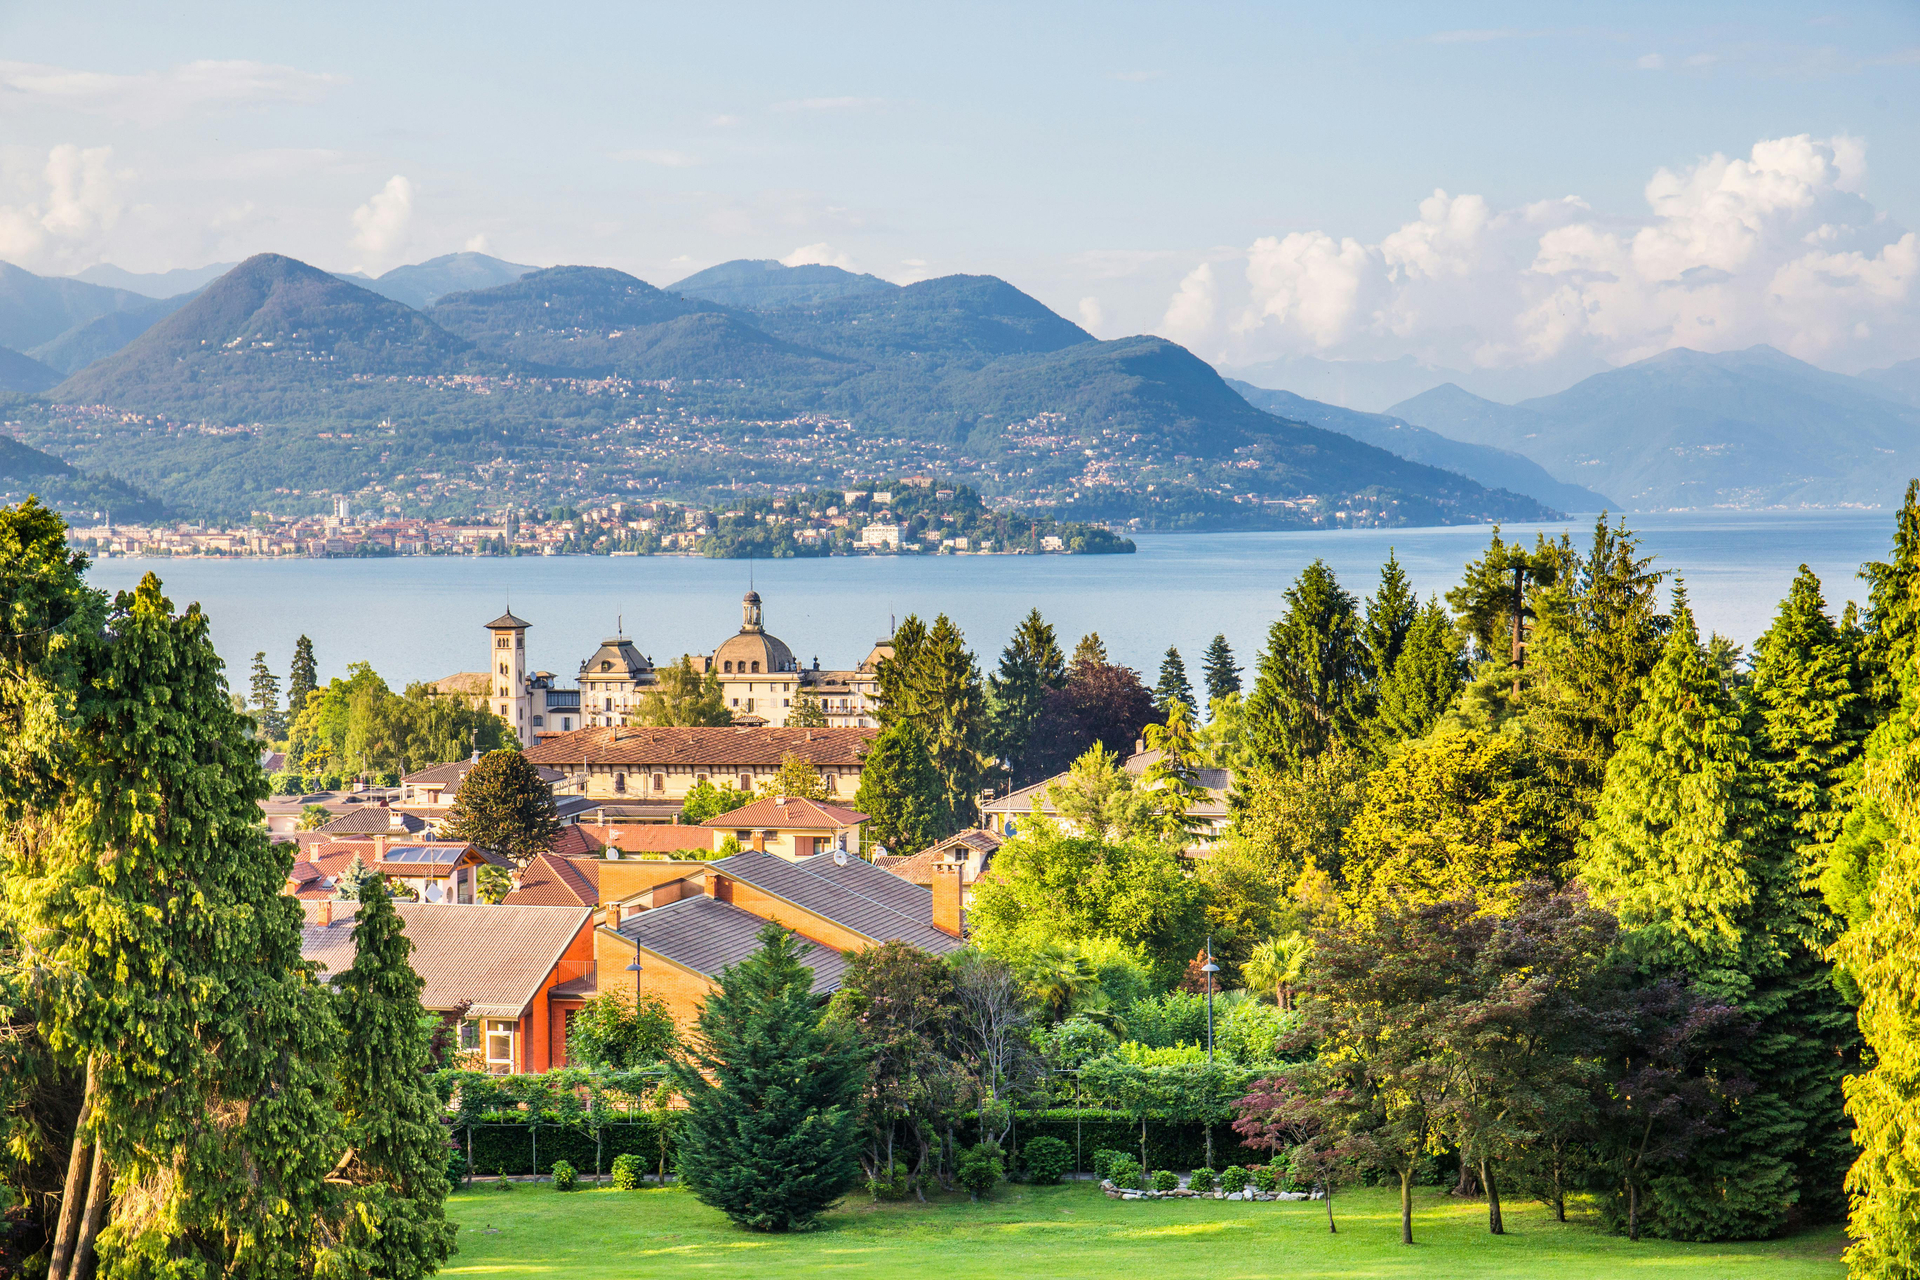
(634, 969)
(1209, 968)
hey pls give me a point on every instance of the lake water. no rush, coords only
(419, 618)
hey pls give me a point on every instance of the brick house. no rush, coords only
(432, 871)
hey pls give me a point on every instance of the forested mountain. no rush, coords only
(100, 337)
(756, 284)
(421, 284)
(21, 372)
(66, 488)
(1753, 428)
(36, 309)
(1493, 467)
(1902, 379)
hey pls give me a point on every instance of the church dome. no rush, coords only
(752, 651)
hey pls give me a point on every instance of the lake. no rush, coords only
(419, 618)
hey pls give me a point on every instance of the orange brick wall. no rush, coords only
(621, 880)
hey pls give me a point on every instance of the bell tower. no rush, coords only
(750, 613)
(507, 694)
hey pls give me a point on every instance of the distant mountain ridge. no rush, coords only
(755, 284)
(1687, 429)
(25, 470)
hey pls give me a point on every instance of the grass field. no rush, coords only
(1073, 1231)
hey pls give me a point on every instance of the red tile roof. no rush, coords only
(575, 841)
(652, 837)
(553, 881)
(796, 812)
(702, 747)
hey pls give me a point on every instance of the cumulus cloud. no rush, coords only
(477, 243)
(821, 255)
(68, 207)
(380, 225)
(1092, 317)
(152, 95)
(1776, 247)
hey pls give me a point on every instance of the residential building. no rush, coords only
(429, 793)
(660, 765)
(875, 537)
(427, 871)
(972, 850)
(511, 975)
(612, 683)
(789, 827)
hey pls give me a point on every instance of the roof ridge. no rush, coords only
(801, 866)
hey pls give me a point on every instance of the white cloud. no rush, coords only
(1092, 318)
(1776, 247)
(819, 255)
(828, 104)
(477, 243)
(68, 207)
(1651, 62)
(667, 159)
(151, 95)
(380, 225)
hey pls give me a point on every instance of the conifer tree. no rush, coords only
(1425, 679)
(1090, 652)
(897, 675)
(1893, 609)
(807, 713)
(1310, 686)
(772, 1131)
(265, 690)
(1222, 672)
(396, 1216)
(901, 792)
(1391, 613)
(303, 677)
(354, 880)
(1681, 844)
(1173, 685)
(934, 682)
(504, 806)
(1031, 666)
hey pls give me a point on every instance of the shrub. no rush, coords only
(456, 1167)
(1126, 1172)
(1103, 1161)
(889, 1183)
(627, 1172)
(1046, 1158)
(287, 783)
(1166, 1180)
(506, 1183)
(979, 1168)
(1202, 1180)
(564, 1176)
(1233, 1178)
(1265, 1180)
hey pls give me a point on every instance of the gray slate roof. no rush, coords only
(859, 895)
(706, 936)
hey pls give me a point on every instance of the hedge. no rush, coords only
(511, 1146)
(1171, 1144)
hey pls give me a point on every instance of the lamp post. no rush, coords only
(634, 969)
(1209, 968)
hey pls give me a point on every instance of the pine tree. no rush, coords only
(1031, 666)
(1090, 652)
(1893, 609)
(1425, 679)
(772, 1131)
(504, 807)
(934, 682)
(265, 688)
(303, 677)
(396, 1219)
(152, 891)
(1681, 843)
(1222, 672)
(354, 880)
(1173, 685)
(1391, 613)
(900, 792)
(1310, 682)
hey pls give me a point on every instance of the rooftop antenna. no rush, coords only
(620, 624)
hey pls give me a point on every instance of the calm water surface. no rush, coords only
(419, 618)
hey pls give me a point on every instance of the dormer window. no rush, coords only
(606, 666)
(756, 668)
(727, 667)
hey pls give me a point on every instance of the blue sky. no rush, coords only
(1246, 178)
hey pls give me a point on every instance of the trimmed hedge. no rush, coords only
(510, 1146)
(1170, 1145)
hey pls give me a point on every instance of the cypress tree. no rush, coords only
(1310, 682)
(1173, 685)
(1425, 679)
(934, 682)
(901, 792)
(265, 688)
(772, 1131)
(1222, 672)
(1391, 613)
(303, 677)
(396, 1219)
(1682, 843)
(1031, 666)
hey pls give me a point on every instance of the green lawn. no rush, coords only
(1074, 1231)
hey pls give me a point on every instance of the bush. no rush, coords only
(1166, 1180)
(1233, 1178)
(564, 1176)
(889, 1183)
(1202, 1180)
(979, 1168)
(1265, 1180)
(456, 1167)
(287, 783)
(506, 1183)
(1126, 1172)
(1103, 1161)
(1046, 1158)
(627, 1171)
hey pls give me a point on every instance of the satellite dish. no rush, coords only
(839, 857)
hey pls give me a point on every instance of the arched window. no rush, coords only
(620, 783)
(727, 667)
(756, 668)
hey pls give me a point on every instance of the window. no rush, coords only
(469, 1033)
(659, 782)
(749, 704)
(609, 706)
(503, 668)
(538, 721)
(566, 722)
(832, 787)
(699, 777)
(499, 1034)
(519, 642)
(756, 668)
(501, 643)
(746, 782)
(727, 667)
(620, 782)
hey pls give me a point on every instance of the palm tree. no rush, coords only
(1278, 963)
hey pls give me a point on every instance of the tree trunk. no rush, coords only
(1209, 1144)
(1494, 1224)
(1468, 1187)
(96, 1213)
(1331, 1229)
(73, 1198)
(1519, 607)
(1406, 1206)
(1143, 1149)
(1633, 1211)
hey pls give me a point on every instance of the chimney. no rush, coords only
(326, 912)
(613, 915)
(948, 914)
(379, 848)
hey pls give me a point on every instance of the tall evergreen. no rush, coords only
(901, 792)
(1684, 844)
(1090, 652)
(396, 1217)
(1426, 676)
(1222, 672)
(1893, 609)
(1391, 613)
(1031, 666)
(303, 677)
(265, 701)
(505, 807)
(772, 1132)
(1309, 689)
(934, 682)
(1173, 685)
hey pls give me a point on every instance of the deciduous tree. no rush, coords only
(683, 696)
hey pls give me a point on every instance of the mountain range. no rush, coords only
(1688, 429)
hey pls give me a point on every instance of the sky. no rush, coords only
(1527, 192)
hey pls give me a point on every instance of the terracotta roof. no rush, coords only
(707, 936)
(796, 812)
(497, 957)
(507, 620)
(455, 770)
(854, 893)
(966, 846)
(652, 837)
(372, 820)
(574, 841)
(552, 881)
(697, 747)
